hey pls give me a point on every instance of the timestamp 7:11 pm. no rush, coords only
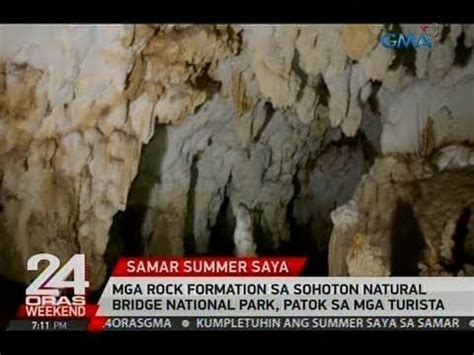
(48, 325)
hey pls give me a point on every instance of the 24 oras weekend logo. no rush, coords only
(46, 296)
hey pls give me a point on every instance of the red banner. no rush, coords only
(207, 266)
(57, 312)
(97, 324)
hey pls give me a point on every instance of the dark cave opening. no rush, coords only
(444, 33)
(460, 235)
(462, 54)
(189, 238)
(126, 233)
(301, 241)
(323, 92)
(373, 100)
(221, 241)
(302, 244)
(262, 234)
(308, 212)
(407, 241)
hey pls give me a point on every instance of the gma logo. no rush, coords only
(391, 40)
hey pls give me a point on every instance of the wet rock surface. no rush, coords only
(179, 140)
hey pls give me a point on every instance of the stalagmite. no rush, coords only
(243, 234)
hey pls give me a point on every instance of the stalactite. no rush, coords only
(140, 139)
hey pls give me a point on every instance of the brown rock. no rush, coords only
(358, 40)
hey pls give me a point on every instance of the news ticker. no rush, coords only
(238, 294)
(252, 323)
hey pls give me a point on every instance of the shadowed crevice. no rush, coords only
(189, 238)
(221, 241)
(459, 238)
(407, 241)
(125, 236)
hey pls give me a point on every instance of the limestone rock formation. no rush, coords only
(243, 235)
(141, 139)
(408, 208)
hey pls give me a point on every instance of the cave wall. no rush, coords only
(276, 125)
(402, 218)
